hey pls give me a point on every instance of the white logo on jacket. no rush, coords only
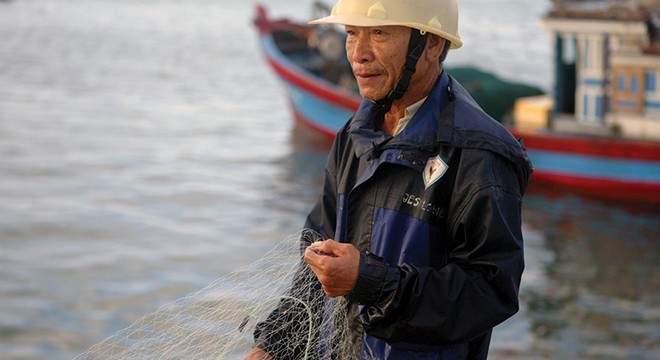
(434, 170)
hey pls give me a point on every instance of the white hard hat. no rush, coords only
(438, 17)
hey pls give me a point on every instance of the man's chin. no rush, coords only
(371, 96)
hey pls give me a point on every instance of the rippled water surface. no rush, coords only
(146, 150)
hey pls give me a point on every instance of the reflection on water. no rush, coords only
(600, 297)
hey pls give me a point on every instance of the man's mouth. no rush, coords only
(366, 75)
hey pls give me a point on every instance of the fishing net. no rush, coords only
(277, 296)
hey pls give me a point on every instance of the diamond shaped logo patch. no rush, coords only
(434, 170)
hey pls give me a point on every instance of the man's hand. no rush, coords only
(336, 265)
(258, 354)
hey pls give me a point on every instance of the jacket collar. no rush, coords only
(423, 128)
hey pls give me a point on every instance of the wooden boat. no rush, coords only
(596, 166)
(323, 99)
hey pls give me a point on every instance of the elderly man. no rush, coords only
(421, 206)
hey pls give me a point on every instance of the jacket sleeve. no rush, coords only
(476, 290)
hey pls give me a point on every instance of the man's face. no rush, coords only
(377, 56)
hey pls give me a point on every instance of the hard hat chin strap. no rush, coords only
(416, 47)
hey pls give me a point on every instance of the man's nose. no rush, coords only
(361, 51)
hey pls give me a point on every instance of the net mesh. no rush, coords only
(277, 296)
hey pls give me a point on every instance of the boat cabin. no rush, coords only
(607, 67)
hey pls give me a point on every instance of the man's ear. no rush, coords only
(434, 47)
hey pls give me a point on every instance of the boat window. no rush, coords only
(634, 84)
(651, 81)
(585, 104)
(621, 82)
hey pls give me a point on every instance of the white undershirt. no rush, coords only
(410, 112)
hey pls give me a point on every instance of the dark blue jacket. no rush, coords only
(442, 248)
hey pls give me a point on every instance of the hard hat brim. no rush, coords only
(365, 21)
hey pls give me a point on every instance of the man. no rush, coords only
(421, 205)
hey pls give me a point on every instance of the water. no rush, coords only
(146, 150)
